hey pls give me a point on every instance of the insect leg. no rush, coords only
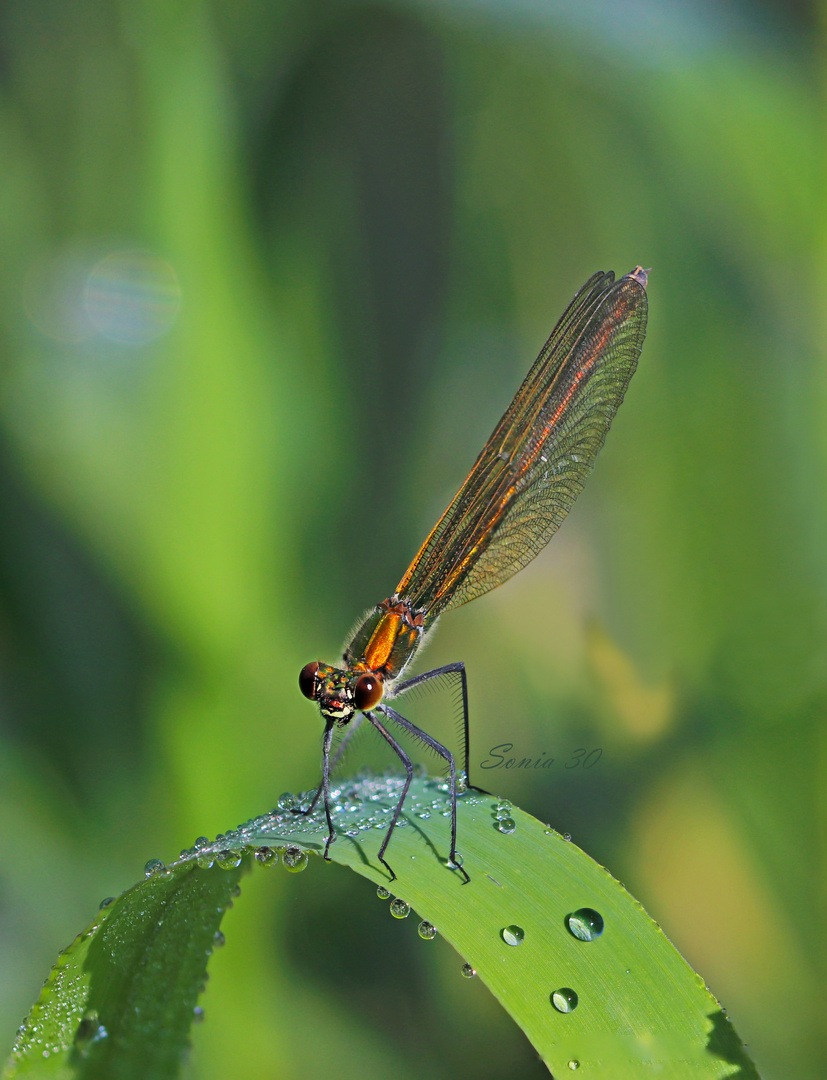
(392, 714)
(446, 669)
(406, 761)
(353, 727)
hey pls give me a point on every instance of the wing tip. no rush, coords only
(640, 275)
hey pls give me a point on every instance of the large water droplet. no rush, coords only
(468, 972)
(228, 860)
(586, 924)
(219, 939)
(383, 893)
(295, 859)
(153, 867)
(564, 1000)
(512, 935)
(107, 900)
(287, 801)
(426, 930)
(400, 909)
(267, 856)
(205, 861)
(574, 1064)
(507, 825)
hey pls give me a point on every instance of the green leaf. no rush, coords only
(634, 1004)
(119, 1002)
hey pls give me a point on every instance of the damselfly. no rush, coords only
(521, 487)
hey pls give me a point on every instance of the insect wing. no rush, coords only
(536, 461)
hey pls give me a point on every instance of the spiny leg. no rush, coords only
(331, 833)
(447, 669)
(429, 740)
(406, 761)
(353, 727)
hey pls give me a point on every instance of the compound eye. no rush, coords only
(367, 692)
(308, 681)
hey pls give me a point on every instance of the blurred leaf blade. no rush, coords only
(119, 1001)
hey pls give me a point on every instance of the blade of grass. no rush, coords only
(620, 1003)
(119, 1002)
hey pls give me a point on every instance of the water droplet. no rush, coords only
(564, 1000)
(228, 860)
(287, 801)
(567, 837)
(462, 783)
(426, 930)
(219, 939)
(295, 859)
(90, 1030)
(468, 972)
(267, 856)
(455, 863)
(383, 893)
(197, 1014)
(201, 842)
(107, 900)
(204, 862)
(512, 935)
(400, 909)
(153, 867)
(586, 924)
(574, 1064)
(507, 825)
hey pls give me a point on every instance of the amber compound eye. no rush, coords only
(308, 681)
(367, 692)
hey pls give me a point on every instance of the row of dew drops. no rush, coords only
(585, 924)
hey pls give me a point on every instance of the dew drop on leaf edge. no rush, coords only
(400, 909)
(266, 856)
(295, 859)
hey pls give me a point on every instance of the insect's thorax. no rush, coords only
(387, 639)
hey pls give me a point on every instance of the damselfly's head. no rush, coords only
(340, 693)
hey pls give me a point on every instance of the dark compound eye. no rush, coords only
(367, 692)
(308, 683)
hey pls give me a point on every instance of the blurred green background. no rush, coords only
(270, 273)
